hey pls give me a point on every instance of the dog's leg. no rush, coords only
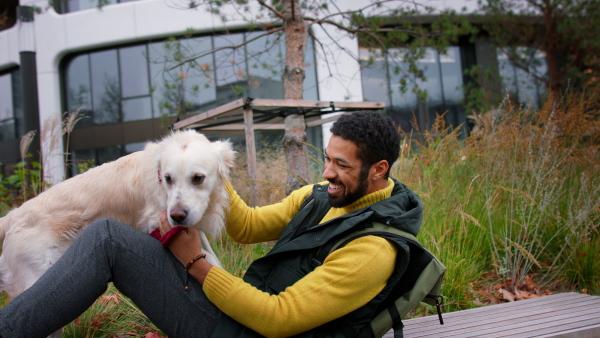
(211, 257)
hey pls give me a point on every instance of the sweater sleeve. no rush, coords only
(349, 278)
(261, 224)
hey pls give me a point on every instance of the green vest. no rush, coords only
(293, 256)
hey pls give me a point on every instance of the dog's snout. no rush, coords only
(178, 215)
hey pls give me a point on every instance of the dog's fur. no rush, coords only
(184, 173)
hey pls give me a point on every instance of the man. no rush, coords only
(283, 293)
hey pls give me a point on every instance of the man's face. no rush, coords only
(347, 180)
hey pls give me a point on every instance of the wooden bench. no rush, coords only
(560, 315)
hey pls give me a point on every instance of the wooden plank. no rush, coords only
(237, 104)
(523, 324)
(503, 319)
(322, 121)
(315, 104)
(196, 120)
(239, 126)
(533, 302)
(545, 315)
(457, 318)
(592, 331)
(584, 328)
(557, 326)
(251, 156)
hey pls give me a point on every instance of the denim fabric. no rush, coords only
(137, 264)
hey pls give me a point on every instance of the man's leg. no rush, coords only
(138, 266)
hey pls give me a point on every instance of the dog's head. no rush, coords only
(194, 172)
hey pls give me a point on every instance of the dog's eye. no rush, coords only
(197, 179)
(168, 179)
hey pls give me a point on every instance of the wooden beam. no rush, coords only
(315, 104)
(196, 120)
(251, 155)
(239, 126)
(210, 113)
(322, 121)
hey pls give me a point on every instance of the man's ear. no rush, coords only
(379, 169)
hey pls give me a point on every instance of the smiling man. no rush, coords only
(284, 293)
(290, 291)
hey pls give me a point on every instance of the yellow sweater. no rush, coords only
(347, 280)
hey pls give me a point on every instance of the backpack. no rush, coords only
(421, 281)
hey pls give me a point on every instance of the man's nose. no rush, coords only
(328, 173)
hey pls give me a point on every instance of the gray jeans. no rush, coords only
(137, 264)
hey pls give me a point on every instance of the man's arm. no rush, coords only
(349, 278)
(261, 224)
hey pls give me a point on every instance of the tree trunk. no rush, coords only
(554, 83)
(294, 142)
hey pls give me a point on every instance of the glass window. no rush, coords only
(82, 160)
(230, 66)
(186, 88)
(198, 85)
(66, 6)
(78, 88)
(386, 78)
(311, 91)
(137, 109)
(134, 71)
(524, 86)
(11, 110)
(429, 67)
(452, 78)
(374, 75)
(106, 91)
(133, 147)
(7, 117)
(265, 64)
(107, 154)
(151, 80)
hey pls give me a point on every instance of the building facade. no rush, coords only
(121, 68)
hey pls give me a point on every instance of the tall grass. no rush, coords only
(517, 202)
(520, 198)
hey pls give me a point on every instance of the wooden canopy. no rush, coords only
(262, 114)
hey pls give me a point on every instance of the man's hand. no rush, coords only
(185, 245)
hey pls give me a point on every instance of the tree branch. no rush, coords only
(269, 32)
(271, 8)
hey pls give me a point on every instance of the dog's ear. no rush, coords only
(227, 154)
(150, 151)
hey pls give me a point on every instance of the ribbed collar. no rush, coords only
(371, 198)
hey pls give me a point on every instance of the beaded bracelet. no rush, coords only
(193, 260)
(188, 265)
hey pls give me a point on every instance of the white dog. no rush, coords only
(184, 173)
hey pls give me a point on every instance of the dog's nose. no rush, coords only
(178, 215)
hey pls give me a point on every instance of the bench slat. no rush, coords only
(574, 314)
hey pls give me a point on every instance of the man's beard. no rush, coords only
(353, 196)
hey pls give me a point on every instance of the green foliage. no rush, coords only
(566, 31)
(24, 183)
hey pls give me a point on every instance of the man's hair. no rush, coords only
(375, 136)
